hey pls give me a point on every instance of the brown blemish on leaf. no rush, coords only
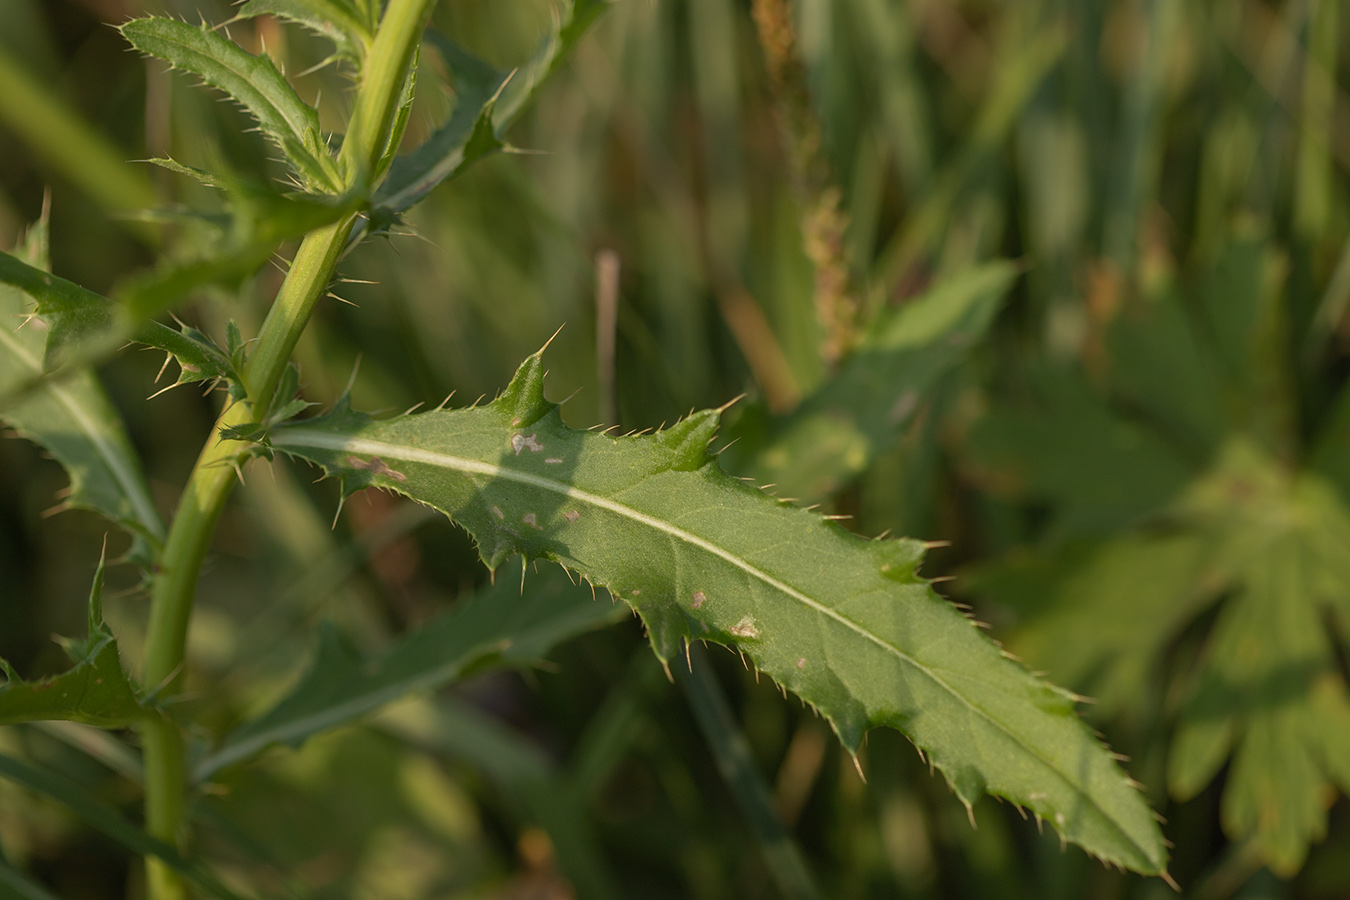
(699, 599)
(375, 466)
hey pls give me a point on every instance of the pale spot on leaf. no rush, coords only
(745, 628)
(530, 442)
(699, 599)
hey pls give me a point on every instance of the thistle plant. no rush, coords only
(844, 623)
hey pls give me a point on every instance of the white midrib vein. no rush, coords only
(282, 438)
(145, 510)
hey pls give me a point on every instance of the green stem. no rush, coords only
(214, 474)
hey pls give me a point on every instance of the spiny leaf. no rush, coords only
(846, 624)
(488, 101)
(837, 431)
(501, 626)
(336, 20)
(466, 137)
(72, 418)
(95, 691)
(200, 175)
(70, 316)
(85, 327)
(253, 81)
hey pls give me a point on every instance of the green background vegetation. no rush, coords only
(1142, 468)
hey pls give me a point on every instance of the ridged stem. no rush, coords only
(214, 474)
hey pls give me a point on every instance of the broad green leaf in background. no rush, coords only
(1174, 463)
(839, 430)
(501, 626)
(95, 691)
(845, 623)
(1098, 469)
(71, 418)
(253, 81)
(1269, 688)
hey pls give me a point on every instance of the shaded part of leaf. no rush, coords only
(101, 817)
(72, 417)
(842, 622)
(497, 627)
(253, 81)
(838, 431)
(96, 690)
(336, 20)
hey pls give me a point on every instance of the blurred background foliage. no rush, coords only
(1142, 468)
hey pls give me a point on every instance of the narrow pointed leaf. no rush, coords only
(499, 626)
(95, 691)
(488, 102)
(71, 418)
(846, 624)
(253, 82)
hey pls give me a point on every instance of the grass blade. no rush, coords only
(495, 627)
(110, 823)
(736, 764)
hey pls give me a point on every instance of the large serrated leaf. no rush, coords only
(839, 430)
(72, 418)
(95, 691)
(846, 624)
(253, 81)
(503, 625)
